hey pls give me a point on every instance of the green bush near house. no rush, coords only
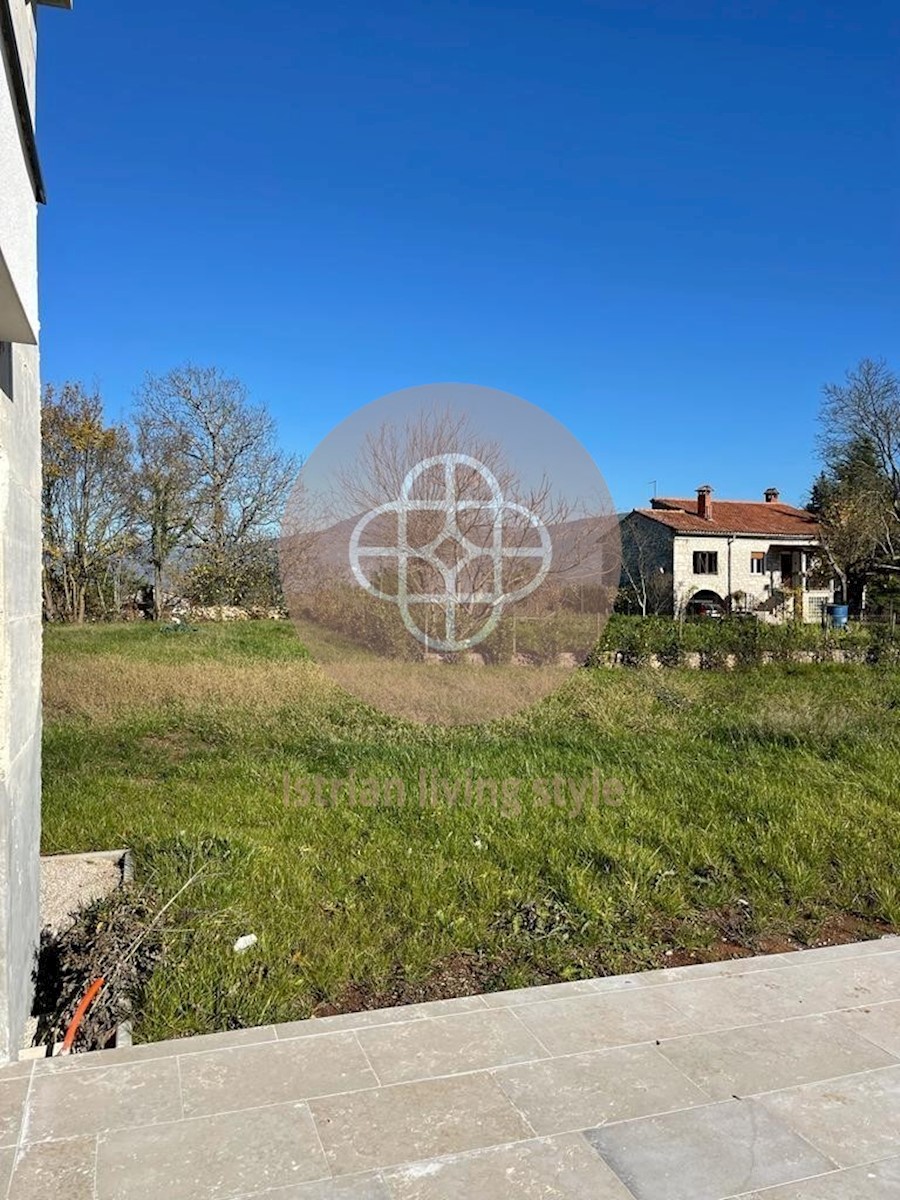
(748, 639)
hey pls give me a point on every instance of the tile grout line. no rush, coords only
(315, 1128)
(288, 1189)
(140, 1060)
(838, 1170)
(593, 1149)
(684, 1075)
(865, 1037)
(453, 1155)
(532, 1034)
(180, 1086)
(805, 1016)
(792, 961)
(96, 1180)
(710, 1103)
(782, 1120)
(512, 1104)
(23, 1126)
(418, 1019)
(365, 1055)
(791, 1087)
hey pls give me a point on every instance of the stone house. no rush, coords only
(700, 556)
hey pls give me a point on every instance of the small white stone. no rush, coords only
(244, 943)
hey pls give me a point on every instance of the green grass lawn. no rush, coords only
(759, 808)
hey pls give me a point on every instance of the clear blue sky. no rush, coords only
(667, 222)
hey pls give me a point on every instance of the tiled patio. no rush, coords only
(771, 1078)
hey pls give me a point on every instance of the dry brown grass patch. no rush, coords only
(108, 688)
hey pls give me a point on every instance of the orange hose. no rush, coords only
(83, 1005)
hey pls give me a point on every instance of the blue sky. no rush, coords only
(667, 223)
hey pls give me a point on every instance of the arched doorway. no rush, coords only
(706, 603)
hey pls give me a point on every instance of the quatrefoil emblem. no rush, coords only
(460, 572)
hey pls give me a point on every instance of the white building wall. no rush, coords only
(734, 572)
(20, 572)
(18, 210)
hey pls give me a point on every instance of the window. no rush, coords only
(706, 562)
(757, 562)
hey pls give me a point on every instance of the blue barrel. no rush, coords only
(839, 614)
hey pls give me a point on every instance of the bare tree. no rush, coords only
(230, 468)
(866, 407)
(462, 493)
(645, 584)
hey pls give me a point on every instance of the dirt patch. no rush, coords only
(475, 973)
(464, 974)
(175, 746)
(739, 942)
(720, 951)
(841, 928)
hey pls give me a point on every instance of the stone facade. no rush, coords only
(674, 558)
(735, 577)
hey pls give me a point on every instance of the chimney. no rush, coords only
(771, 495)
(704, 502)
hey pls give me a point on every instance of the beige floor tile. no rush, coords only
(880, 1181)
(359, 1187)
(409, 1121)
(211, 1158)
(516, 997)
(848, 983)
(727, 1002)
(600, 1022)
(397, 1014)
(274, 1073)
(563, 1168)
(7, 1158)
(779, 1054)
(582, 1091)
(18, 1070)
(889, 944)
(880, 1023)
(854, 1120)
(12, 1102)
(145, 1051)
(86, 1102)
(55, 1171)
(448, 1045)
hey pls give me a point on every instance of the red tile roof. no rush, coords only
(734, 516)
